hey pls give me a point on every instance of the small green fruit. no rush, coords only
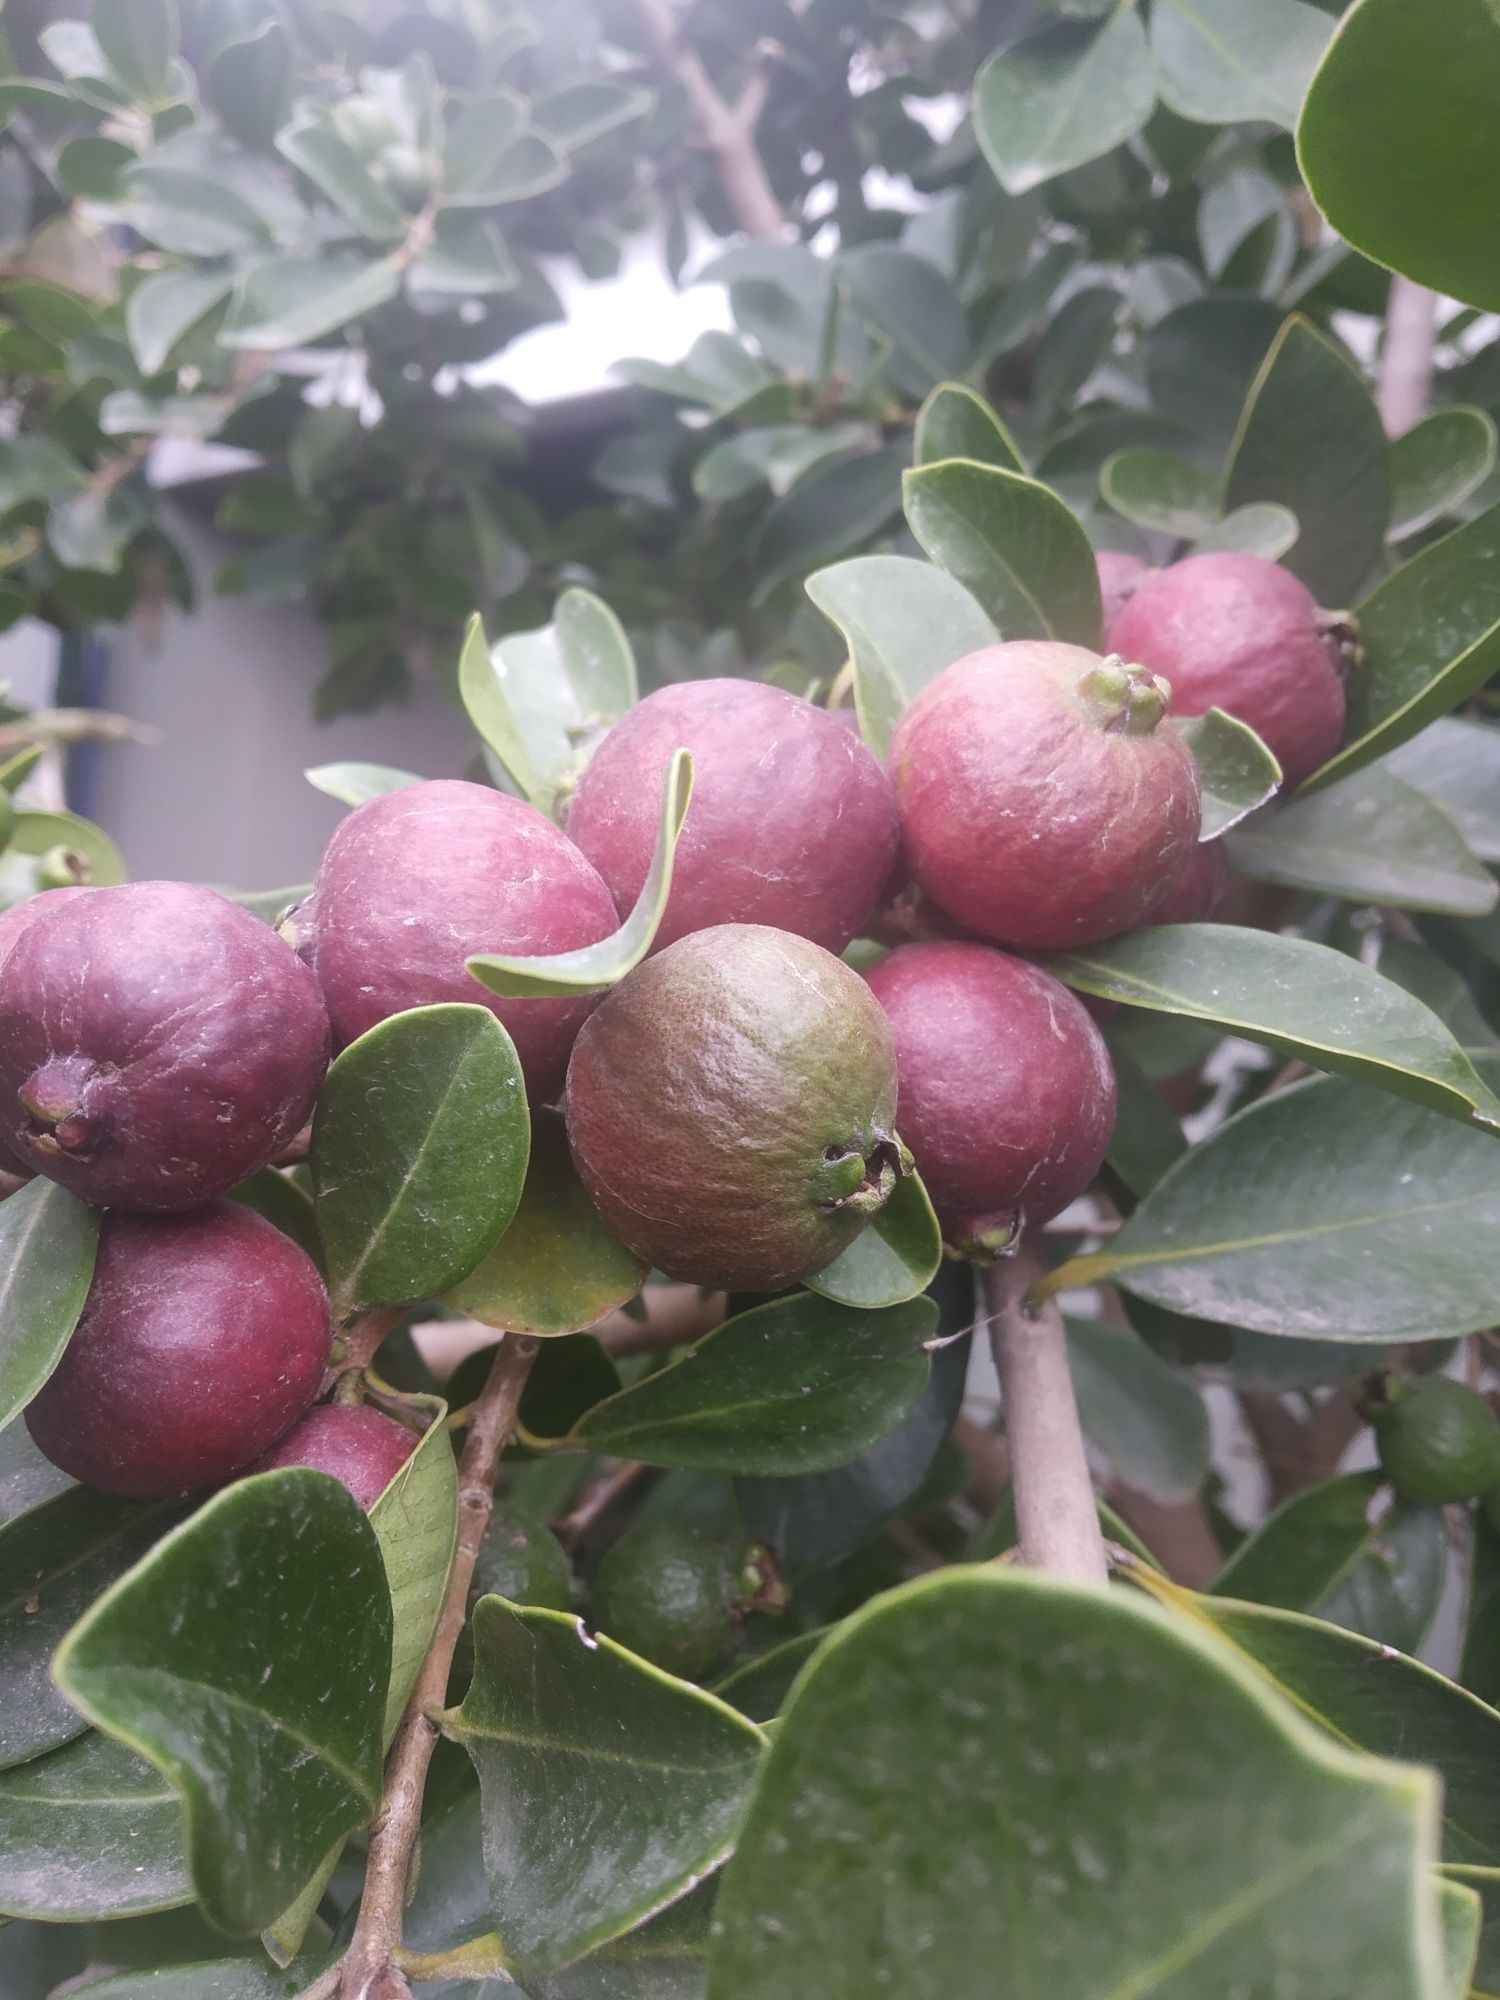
(670, 1591)
(1439, 1442)
(521, 1559)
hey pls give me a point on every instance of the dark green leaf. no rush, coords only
(911, 303)
(221, 1979)
(1013, 544)
(47, 1243)
(1371, 838)
(1304, 1000)
(1350, 1552)
(1147, 1137)
(557, 1267)
(1466, 1916)
(1160, 491)
(483, 131)
(416, 1524)
(1433, 74)
(246, 82)
(759, 1687)
(189, 213)
(293, 301)
(91, 166)
(89, 1831)
(983, 1720)
(26, 1478)
(1221, 61)
(418, 1153)
(796, 1385)
(354, 784)
(167, 304)
(838, 506)
(247, 1656)
(569, 1730)
(1437, 464)
(468, 258)
(593, 966)
(1457, 764)
(54, 1561)
(138, 39)
(1202, 358)
(1430, 637)
(1325, 1212)
(1147, 1419)
(1063, 96)
(1236, 771)
(892, 1259)
(316, 149)
(955, 422)
(774, 455)
(1310, 438)
(903, 622)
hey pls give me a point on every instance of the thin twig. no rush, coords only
(1177, 1532)
(368, 1972)
(362, 1340)
(72, 725)
(600, 1497)
(727, 130)
(674, 1316)
(1056, 1516)
(1404, 383)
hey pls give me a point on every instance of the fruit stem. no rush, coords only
(1056, 1517)
(368, 1969)
(1124, 700)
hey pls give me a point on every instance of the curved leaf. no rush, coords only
(1456, 762)
(416, 1524)
(1148, 1420)
(1437, 464)
(956, 422)
(1263, 528)
(418, 1153)
(893, 1258)
(353, 784)
(1220, 61)
(1065, 95)
(1236, 772)
(48, 1239)
(1160, 491)
(89, 1831)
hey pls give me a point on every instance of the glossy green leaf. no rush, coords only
(1066, 94)
(293, 301)
(99, 862)
(1013, 545)
(1431, 73)
(354, 784)
(418, 1153)
(1437, 464)
(90, 1830)
(165, 306)
(47, 1242)
(1374, 1698)
(913, 307)
(315, 148)
(1311, 439)
(55, 1559)
(559, 687)
(138, 39)
(1147, 1137)
(956, 422)
(247, 1657)
(1429, 637)
(1263, 528)
(416, 1524)
(903, 622)
(1148, 1420)
(1239, 201)
(1304, 1000)
(1000, 1728)
(839, 506)
(1236, 771)
(1325, 1212)
(1220, 61)
(594, 966)
(773, 455)
(758, 1687)
(1349, 1552)
(893, 1258)
(1372, 838)
(219, 1979)
(1461, 1914)
(557, 1268)
(1160, 491)
(570, 1730)
(1456, 762)
(1202, 358)
(797, 1385)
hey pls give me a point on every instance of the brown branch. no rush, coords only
(1056, 1516)
(727, 130)
(72, 725)
(368, 1972)
(597, 1502)
(1404, 382)
(1177, 1532)
(1281, 1439)
(674, 1315)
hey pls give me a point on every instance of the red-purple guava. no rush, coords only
(792, 821)
(158, 1045)
(1045, 801)
(1236, 632)
(1007, 1093)
(415, 883)
(1120, 576)
(362, 1448)
(204, 1338)
(731, 1108)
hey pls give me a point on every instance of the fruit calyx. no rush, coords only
(52, 1098)
(984, 1239)
(861, 1180)
(1339, 631)
(1124, 700)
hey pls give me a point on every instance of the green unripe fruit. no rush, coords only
(1439, 1442)
(521, 1559)
(670, 1591)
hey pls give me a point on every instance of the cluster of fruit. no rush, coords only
(732, 1103)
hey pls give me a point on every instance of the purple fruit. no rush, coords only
(1007, 1094)
(1120, 576)
(204, 1338)
(157, 1044)
(1045, 802)
(792, 822)
(360, 1447)
(1239, 633)
(21, 916)
(417, 882)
